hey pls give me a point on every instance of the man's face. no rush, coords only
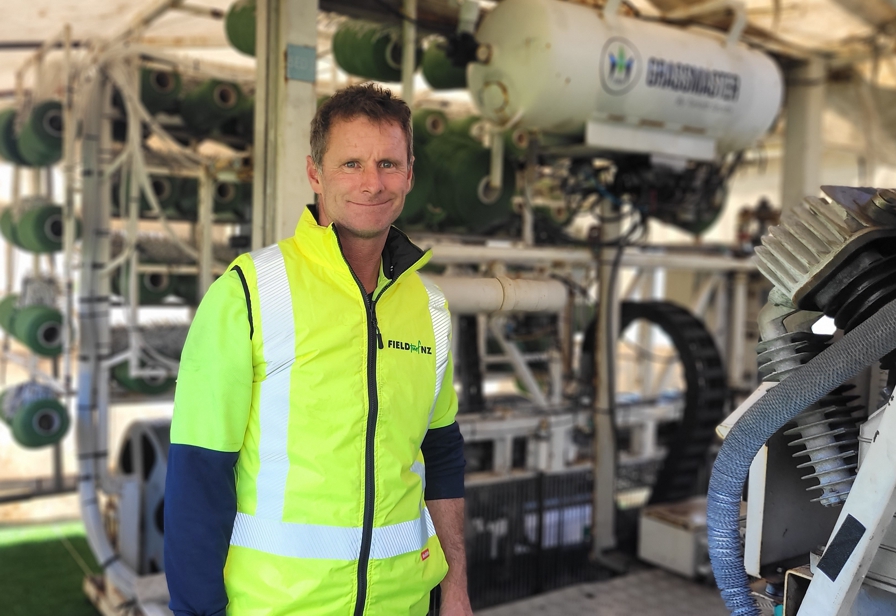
(364, 176)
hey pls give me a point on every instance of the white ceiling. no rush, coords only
(849, 30)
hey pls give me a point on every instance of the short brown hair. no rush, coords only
(367, 100)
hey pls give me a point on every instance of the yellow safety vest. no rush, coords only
(330, 512)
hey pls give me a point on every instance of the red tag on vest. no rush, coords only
(424, 554)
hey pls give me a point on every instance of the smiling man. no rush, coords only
(313, 469)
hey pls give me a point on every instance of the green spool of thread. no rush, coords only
(516, 143)
(233, 201)
(210, 104)
(242, 125)
(40, 142)
(166, 188)
(462, 181)
(187, 205)
(159, 90)
(439, 71)
(9, 146)
(39, 328)
(8, 311)
(40, 229)
(150, 385)
(152, 287)
(8, 227)
(428, 123)
(416, 201)
(370, 50)
(470, 127)
(34, 414)
(240, 26)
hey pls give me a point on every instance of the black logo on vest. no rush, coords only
(407, 346)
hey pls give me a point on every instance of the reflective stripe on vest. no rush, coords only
(278, 338)
(441, 327)
(330, 542)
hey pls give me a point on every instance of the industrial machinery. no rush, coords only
(816, 437)
(161, 218)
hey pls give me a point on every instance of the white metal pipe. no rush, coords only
(501, 294)
(448, 254)
(94, 315)
(515, 357)
(496, 168)
(68, 218)
(603, 509)
(408, 50)
(737, 332)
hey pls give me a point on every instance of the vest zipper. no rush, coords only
(374, 340)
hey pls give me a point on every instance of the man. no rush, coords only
(315, 407)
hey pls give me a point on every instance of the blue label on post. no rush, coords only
(301, 62)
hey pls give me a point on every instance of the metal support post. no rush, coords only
(408, 50)
(205, 230)
(803, 132)
(864, 520)
(737, 332)
(286, 48)
(604, 506)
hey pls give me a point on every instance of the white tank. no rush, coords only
(557, 66)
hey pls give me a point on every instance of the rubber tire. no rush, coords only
(705, 396)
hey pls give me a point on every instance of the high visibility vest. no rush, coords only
(331, 518)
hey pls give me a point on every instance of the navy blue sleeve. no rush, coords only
(200, 507)
(443, 453)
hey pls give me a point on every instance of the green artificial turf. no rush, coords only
(41, 570)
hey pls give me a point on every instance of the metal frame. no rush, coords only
(872, 504)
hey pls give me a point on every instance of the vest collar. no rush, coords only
(400, 255)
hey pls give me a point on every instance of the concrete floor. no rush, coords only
(652, 592)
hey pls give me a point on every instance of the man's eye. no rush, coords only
(351, 164)
(388, 164)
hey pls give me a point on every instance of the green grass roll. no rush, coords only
(151, 385)
(40, 142)
(185, 288)
(8, 311)
(233, 201)
(461, 185)
(159, 90)
(40, 229)
(438, 70)
(8, 226)
(34, 414)
(152, 287)
(427, 123)
(187, 205)
(210, 104)
(9, 146)
(242, 125)
(239, 24)
(370, 50)
(416, 201)
(39, 328)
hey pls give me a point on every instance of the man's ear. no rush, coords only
(313, 175)
(411, 175)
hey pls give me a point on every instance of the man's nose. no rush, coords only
(371, 182)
